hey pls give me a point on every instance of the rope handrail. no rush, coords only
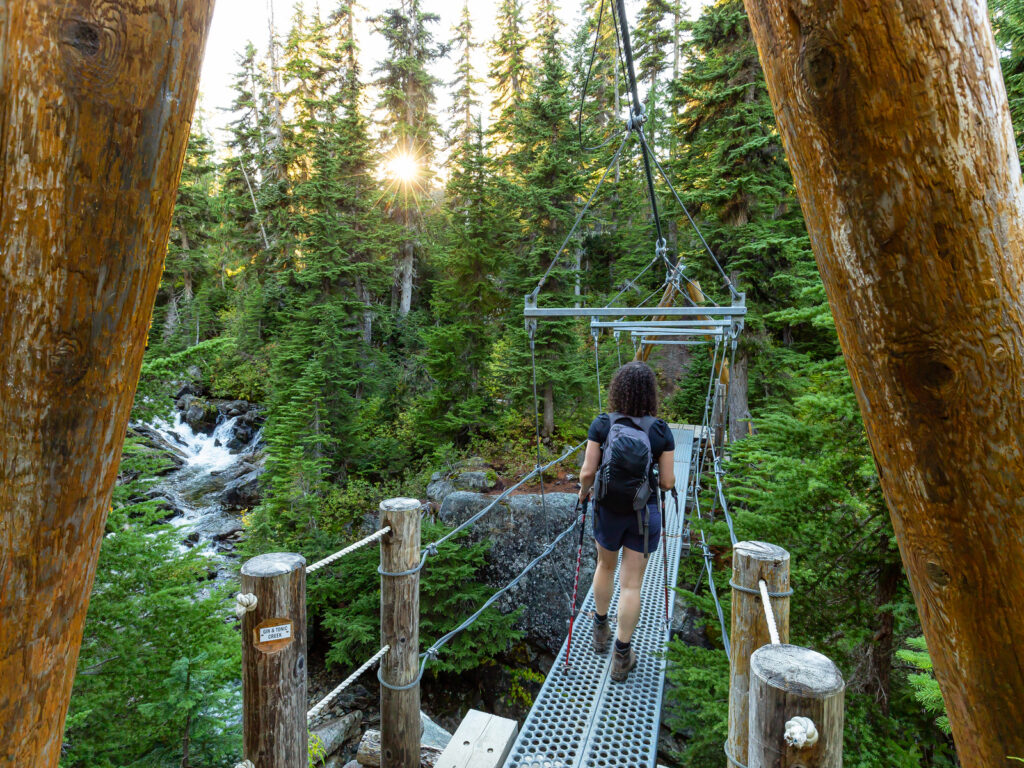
(434, 649)
(769, 614)
(348, 550)
(325, 702)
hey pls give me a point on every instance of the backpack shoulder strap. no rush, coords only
(646, 422)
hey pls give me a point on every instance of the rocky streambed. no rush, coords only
(217, 448)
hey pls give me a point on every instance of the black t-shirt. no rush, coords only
(659, 434)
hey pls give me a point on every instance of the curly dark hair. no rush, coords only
(633, 391)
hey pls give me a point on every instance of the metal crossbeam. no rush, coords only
(657, 324)
(580, 718)
(735, 311)
(670, 342)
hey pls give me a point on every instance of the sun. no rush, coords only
(404, 167)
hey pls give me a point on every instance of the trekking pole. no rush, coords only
(576, 580)
(664, 551)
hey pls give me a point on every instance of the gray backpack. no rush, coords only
(623, 479)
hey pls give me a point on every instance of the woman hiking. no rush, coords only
(625, 518)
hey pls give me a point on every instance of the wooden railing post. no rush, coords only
(399, 628)
(274, 662)
(751, 562)
(796, 709)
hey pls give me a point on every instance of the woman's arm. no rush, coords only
(589, 471)
(667, 470)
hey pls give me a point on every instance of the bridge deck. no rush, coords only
(580, 717)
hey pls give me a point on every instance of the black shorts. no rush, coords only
(615, 530)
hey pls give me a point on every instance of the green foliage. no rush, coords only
(347, 599)
(926, 687)
(158, 669)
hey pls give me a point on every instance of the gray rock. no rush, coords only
(520, 529)
(438, 490)
(243, 492)
(232, 408)
(689, 625)
(200, 417)
(433, 734)
(476, 480)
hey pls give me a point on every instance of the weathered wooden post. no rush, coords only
(274, 661)
(752, 561)
(400, 629)
(796, 709)
(96, 100)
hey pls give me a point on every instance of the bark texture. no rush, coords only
(274, 672)
(896, 125)
(751, 562)
(787, 681)
(96, 99)
(399, 628)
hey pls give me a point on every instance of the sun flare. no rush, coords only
(404, 167)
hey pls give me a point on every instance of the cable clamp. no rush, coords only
(432, 549)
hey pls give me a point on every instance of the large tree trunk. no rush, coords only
(96, 100)
(895, 121)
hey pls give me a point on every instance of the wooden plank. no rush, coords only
(481, 741)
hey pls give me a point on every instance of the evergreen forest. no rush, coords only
(351, 259)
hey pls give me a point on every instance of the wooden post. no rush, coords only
(96, 100)
(787, 681)
(718, 416)
(274, 662)
(400, 629)
(897, 128)
(751, 562)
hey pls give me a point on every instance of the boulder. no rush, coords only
(232, 408)
(439, 488)
(474, 480)
(243, 492)
(201, 416)
(520, 528)
(433, 735)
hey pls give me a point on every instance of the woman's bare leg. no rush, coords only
(604, 578)
(631, 577)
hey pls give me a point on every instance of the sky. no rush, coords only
(237, 21)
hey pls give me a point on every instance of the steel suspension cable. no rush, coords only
(579, 217)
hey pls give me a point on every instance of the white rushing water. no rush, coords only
(195, 489)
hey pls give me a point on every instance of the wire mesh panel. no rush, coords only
(582, 718)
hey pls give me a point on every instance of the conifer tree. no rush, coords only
(410, 130)
(324, 368)
(545, 185)
(465, 297)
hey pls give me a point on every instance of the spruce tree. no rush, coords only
(410, 130)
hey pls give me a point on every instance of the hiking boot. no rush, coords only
(622, 663)
(602, 636)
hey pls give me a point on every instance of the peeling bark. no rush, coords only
(96, 100)
(895, 121)
(739, 408)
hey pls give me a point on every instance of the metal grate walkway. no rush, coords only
(580, 717)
